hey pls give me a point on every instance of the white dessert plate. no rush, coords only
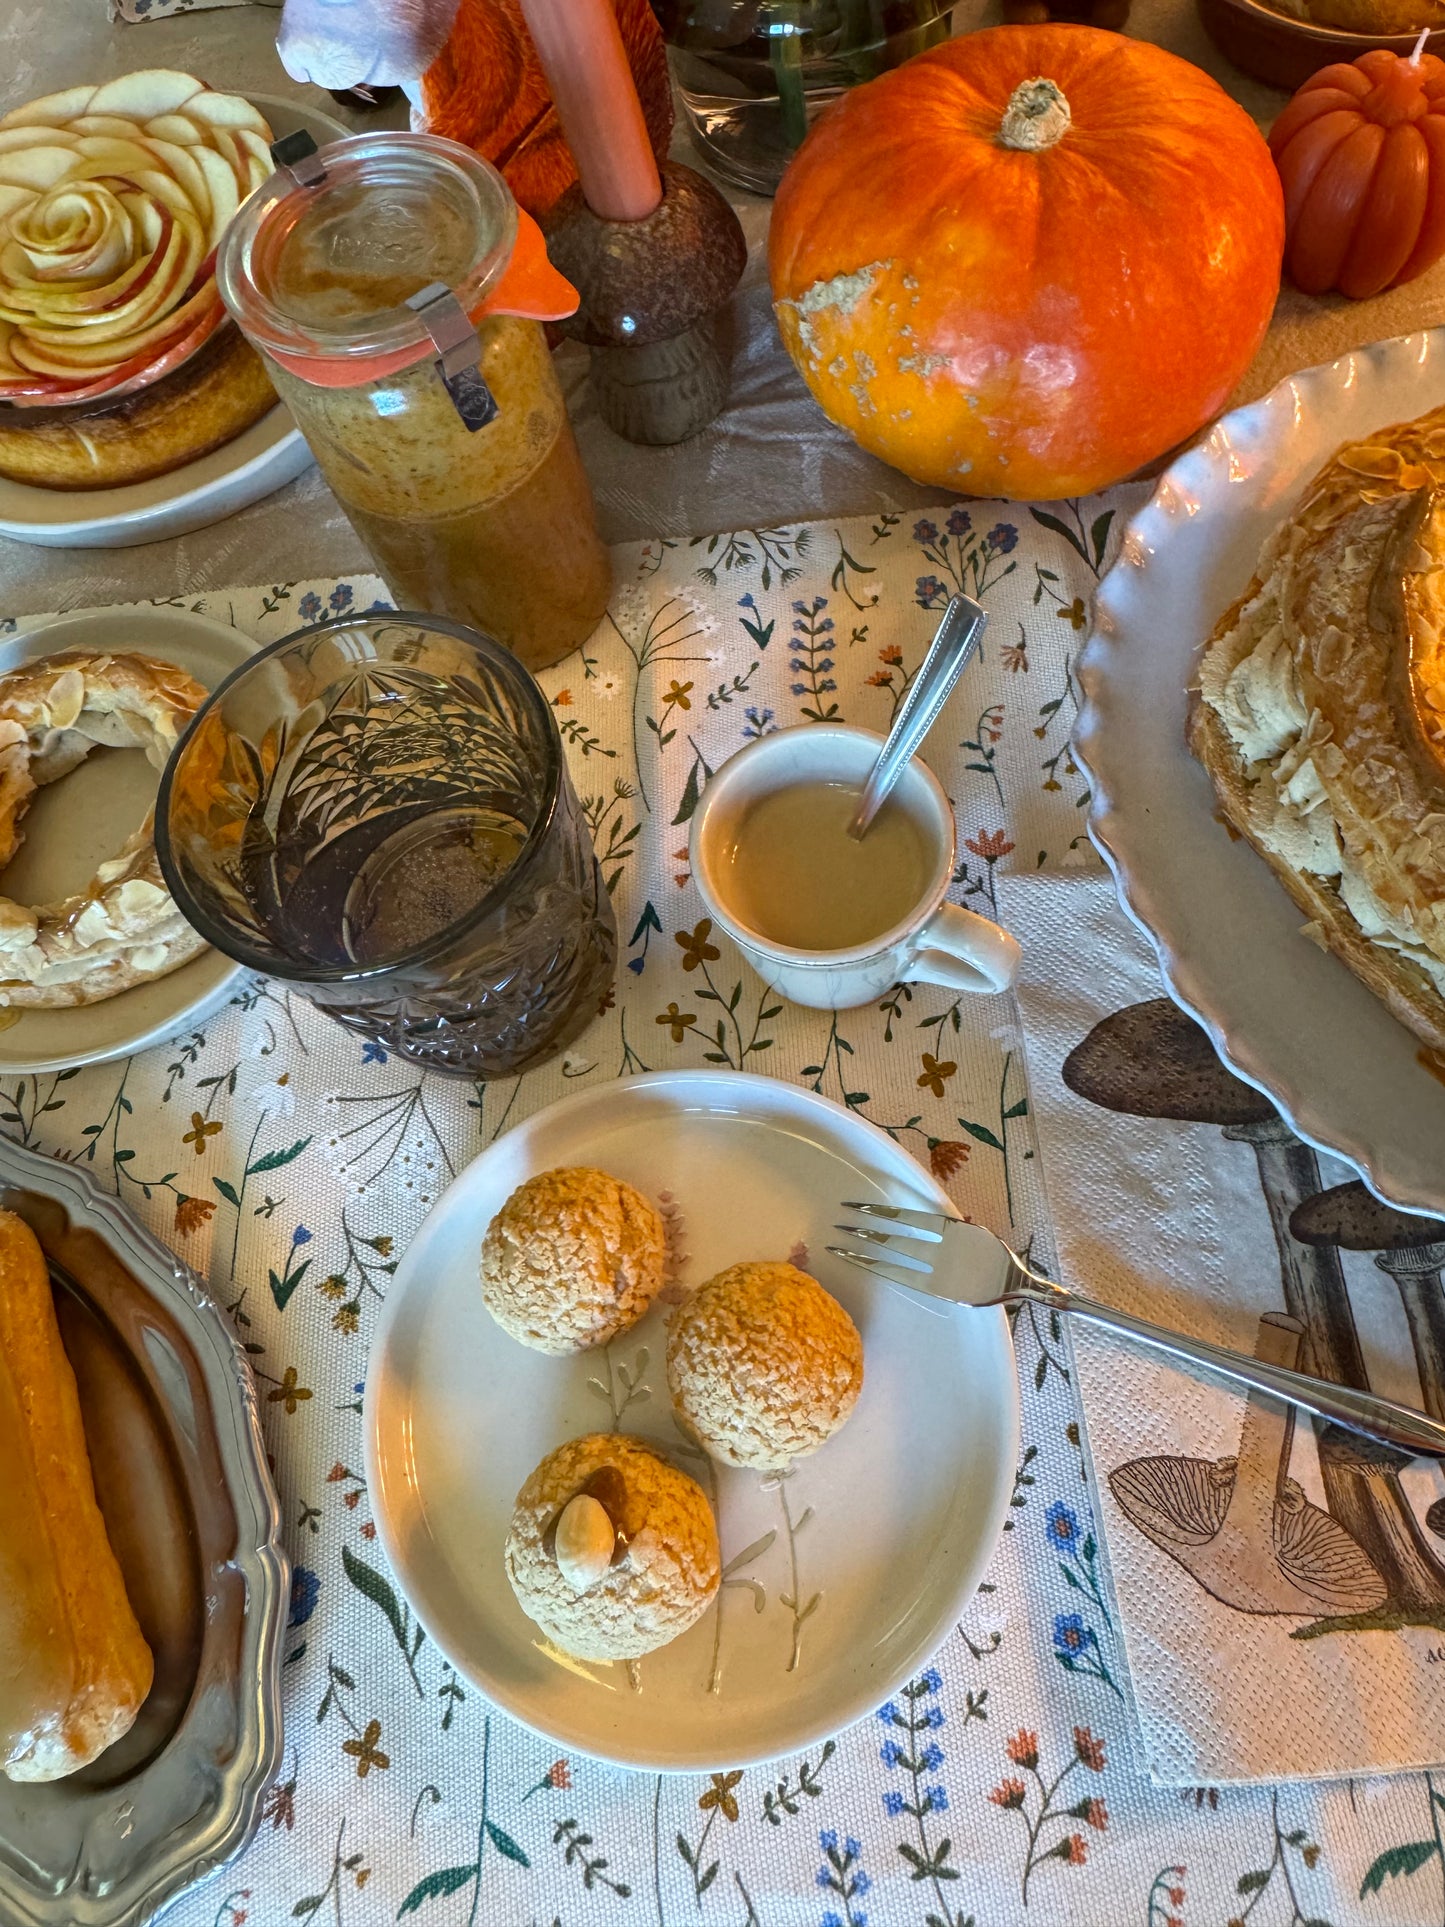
(1288, 1018)
(842, 1579)
(263, 458)
(72, 826)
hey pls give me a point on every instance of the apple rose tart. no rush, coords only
(117, 361)
(124, 928)
(1320, 714)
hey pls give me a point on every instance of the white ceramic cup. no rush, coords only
(938, 943)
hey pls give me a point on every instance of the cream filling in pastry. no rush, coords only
(1260, 704)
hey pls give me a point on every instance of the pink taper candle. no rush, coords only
(580, 47)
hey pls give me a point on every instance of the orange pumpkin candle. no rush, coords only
(1361, 155)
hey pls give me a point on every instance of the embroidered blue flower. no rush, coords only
(801, 609)
(300, 1236)
(930, 592)
(373, 1053)
(758, 722)
(830, 1919)
(861, 1882)
(959, 522)
(891, 1753)
(853, 1848)
(931, 1758)
(925, 532)
(932, 1680)
(340, 597)
(1003, 539)
(309, 607)
(1071, 1635)
(746, 601)
(893, 1803)
(1062, 1526)
(304, 1589)
(889, 1714)
(824, 1878)
(937, 1799)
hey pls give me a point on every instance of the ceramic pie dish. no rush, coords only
(180, 1467)
(1288, 1018)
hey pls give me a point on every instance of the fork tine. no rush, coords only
(866, 1261)
(901, 1214)
(900, 1230)
(904, 1260)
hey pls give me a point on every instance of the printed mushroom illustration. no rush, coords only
(1241, 1526)
(1153, 1060)
(1409, 1248)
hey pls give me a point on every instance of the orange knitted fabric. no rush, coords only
(487, 90)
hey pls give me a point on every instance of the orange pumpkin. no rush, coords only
(1029, 261)
(1361, 152)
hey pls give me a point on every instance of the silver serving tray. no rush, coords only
(181, 1474)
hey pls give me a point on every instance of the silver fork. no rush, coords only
(982, 1270)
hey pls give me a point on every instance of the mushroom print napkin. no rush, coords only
(1281, 1585)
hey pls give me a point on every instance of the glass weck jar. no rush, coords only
(396, 292)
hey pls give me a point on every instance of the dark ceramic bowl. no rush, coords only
(1284, 51)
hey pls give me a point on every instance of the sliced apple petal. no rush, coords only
(116, 126)
(180, 163)
(224, 191)
(258, 152)
(26, 137)
(52, 108)
(226, 110)
(174, 127)
(144, 94)
(36, 167)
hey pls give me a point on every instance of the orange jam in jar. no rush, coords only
(478, 510)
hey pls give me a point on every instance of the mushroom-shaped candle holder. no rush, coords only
(650, 294)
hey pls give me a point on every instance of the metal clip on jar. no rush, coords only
(397, 292)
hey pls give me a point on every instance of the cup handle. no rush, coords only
(962, 951)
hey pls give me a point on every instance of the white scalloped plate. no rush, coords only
(1289, 1019)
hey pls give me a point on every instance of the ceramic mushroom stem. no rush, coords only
(1152, 1060)
(1242, 1527)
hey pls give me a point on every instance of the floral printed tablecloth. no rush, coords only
(290, 1164)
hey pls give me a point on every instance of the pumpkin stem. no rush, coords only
(1036, 117)
(1419, 47)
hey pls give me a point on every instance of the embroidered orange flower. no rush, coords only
(1008, 1794)
(945, 1156)
(891, 654)
(1023, 1748)
(332, 1287)
(1096, 1814)
(559, 1776)
(1089, 1750)
(880, 679)
(192, 1213)
(562, 699)
(346, 1319)
(1015, 656)
(201, 1129)
(989, 844)
(696, 949)
(1073, 1850)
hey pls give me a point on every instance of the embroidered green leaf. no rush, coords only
(370, 1583)
(436, 1886)
(227, 1191)
(981, 1132)
(282, 1288)
(1405, 1859)
(505, 1844)
(1250, 1883)
(273, 1160)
